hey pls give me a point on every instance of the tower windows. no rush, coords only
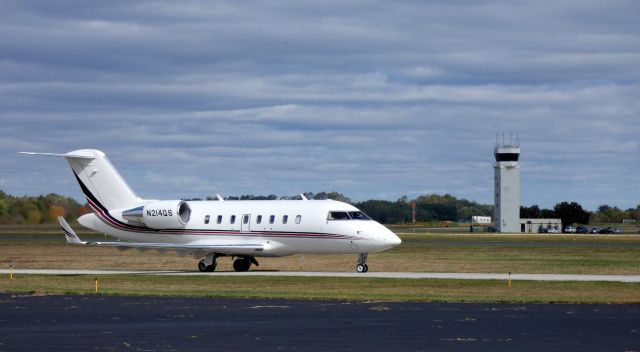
(507, 157)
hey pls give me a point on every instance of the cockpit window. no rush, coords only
(344, 215)
(358, 215)
(338, 215)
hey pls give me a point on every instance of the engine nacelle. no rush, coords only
(160, 215)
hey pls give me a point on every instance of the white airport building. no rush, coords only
(480, 219)
(538, 225)
(507, 187)
(507, 193)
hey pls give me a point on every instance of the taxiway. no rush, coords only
(390, 275)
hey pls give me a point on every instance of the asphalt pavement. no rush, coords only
(108, 323)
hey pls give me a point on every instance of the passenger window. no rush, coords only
(272, 219)
(298, 219)
(219, 219)
(285, 218)
(245, 219)
(206, 219)
(233, 219)
(259, 219)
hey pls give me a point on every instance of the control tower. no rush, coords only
(507, 186)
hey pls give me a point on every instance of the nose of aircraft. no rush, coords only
(381, 237)
(387, 237)
(393, 239)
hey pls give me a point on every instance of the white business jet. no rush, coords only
(207, 230)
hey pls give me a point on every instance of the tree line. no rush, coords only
(38, 210)
(430, 207)
(572, 213)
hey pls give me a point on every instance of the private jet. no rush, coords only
(208, 230)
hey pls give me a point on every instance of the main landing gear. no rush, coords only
(244, 263)
(208, 264)
(362, 266)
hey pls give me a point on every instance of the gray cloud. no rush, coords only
(371, 99)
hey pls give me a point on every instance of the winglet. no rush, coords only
(68, 232)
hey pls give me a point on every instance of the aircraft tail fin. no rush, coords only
(100, 182)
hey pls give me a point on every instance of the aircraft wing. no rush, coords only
(243, 247)
(223, 248)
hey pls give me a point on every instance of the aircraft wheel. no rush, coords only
(202, 266)
(242, 264)
(362, 263)
(362, 268)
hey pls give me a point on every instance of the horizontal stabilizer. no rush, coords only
(67, 155)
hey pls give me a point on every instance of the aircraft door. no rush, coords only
(245, 224)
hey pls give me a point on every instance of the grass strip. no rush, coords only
(422, 257)
(313, 288)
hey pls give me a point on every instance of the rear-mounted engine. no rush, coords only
(160, 215)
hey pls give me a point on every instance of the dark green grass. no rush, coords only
(314, 288)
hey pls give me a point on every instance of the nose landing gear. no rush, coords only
(362, 266)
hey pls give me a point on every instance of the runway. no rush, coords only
(388, 275)
(107, 323)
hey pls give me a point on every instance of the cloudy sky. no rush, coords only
(372, 99)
